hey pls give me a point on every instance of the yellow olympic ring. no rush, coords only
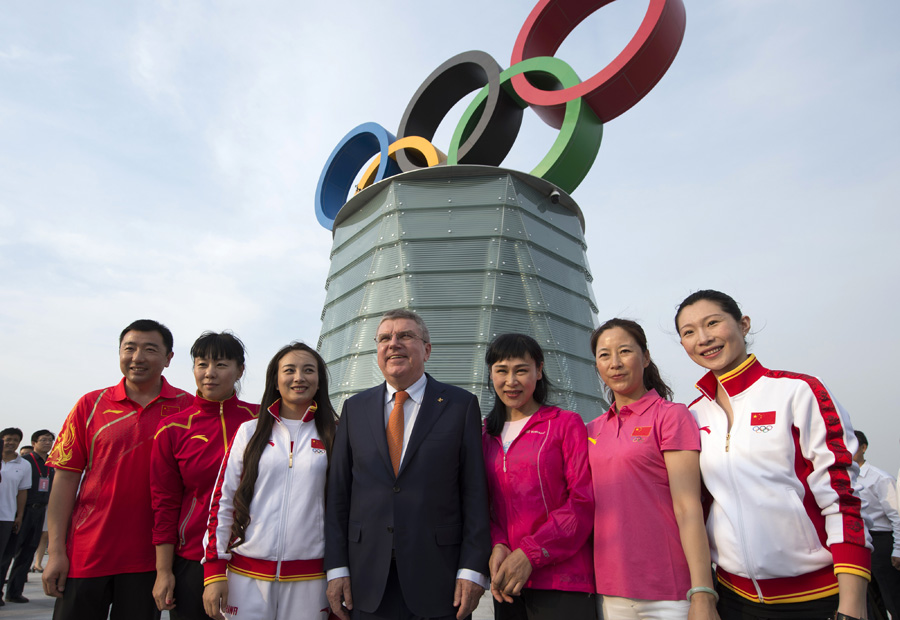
(433, 157)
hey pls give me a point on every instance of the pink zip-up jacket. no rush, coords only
(542, 499)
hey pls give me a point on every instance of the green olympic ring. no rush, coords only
(572, 154)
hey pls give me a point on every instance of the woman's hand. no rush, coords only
(499, 553)
(215, 597)
(164, 590)
(512, 575)
(703, 607)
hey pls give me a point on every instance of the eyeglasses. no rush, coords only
(404, 337)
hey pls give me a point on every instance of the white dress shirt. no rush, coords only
(879, 490)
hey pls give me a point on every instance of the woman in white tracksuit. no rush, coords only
(265, 541)
(784, 525)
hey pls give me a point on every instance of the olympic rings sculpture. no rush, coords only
(490, 124)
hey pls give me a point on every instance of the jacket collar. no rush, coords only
(544, 413)
(416, 391)
(735, 381)
(638, 407)
(275, 410)
(214, 406)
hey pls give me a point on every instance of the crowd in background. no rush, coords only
(754, 501)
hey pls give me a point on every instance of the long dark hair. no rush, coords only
(652, 378)
(325, 425)
(508, 346)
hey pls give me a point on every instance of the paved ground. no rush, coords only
(40, 607)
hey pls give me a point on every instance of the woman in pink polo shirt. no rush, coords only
(540, 492)
(651, 555)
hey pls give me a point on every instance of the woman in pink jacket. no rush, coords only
(542, 505)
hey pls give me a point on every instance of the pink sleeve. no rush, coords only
(677, 428)
(498, 529)
(568, 527)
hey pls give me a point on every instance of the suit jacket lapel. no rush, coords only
(376, 406)
(432, 407)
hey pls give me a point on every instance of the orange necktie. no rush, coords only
(395, 430)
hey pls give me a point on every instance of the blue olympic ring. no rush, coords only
(349, 156)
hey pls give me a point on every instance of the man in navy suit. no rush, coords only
(406, 526)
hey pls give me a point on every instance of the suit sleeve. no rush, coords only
(567, 527)
(337, 508)
(221, 509)
(166, 488)
(476, 535)
(827, 441)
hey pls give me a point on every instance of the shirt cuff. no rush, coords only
(473, 576)
(337, 573)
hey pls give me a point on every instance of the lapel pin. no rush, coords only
(440, 400)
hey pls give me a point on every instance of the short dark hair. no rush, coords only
(38, 434)
(861, 438)
(403, 313)
(149, 325)
(11, 431)
(219, 346)
(725, 302)
(508, 346)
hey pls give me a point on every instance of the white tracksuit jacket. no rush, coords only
(784, 517)
(285, 540)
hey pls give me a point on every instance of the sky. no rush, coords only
(160, 159)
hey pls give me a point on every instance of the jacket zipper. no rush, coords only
(284, 510)
(224, 431)
(737, 498)
(528, 425)
(186, 519)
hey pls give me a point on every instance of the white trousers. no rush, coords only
(618, 608)
(255, 599)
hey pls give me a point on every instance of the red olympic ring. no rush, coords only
(619, 85)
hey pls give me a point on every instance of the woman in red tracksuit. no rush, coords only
(541, 498)
(187, 452)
